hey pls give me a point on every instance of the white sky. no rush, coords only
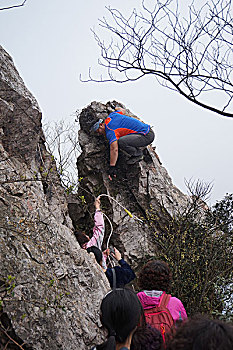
(51, 44)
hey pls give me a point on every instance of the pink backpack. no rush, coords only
(160, 317)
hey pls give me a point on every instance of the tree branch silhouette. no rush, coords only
(13, 6)
(190, 54)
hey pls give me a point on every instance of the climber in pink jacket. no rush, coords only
(98, 232)
(154, 280)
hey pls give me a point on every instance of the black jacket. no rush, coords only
(124, 274)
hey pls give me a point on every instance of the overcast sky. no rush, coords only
(51, 44)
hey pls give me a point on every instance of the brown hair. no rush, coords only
(202, 333)
(155, 275)
(146, 338)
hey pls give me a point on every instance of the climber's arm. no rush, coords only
(113, 153)
(113, 159)
(98, 229)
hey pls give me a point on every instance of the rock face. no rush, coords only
(50, 289)
(140, 188)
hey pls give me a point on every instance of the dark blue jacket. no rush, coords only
(124, 274)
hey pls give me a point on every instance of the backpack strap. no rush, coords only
(164, 300)
(113, 278)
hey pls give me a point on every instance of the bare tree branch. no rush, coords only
(191, 55)
(14, 6)
(62, 142)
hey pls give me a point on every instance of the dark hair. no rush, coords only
(147, 338)
(202, 333)
(97, 252)
(81, 237)
(155, 275)
(121, 311)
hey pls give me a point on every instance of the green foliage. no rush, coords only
(197, 244)
(10, 284)
(223, 213)
(83, 200)
(51, 283)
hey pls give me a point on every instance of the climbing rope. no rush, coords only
(110, 223)
(126, 210)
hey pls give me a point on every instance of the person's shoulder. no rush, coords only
(108, 271)
(175, 301)
(116, 114)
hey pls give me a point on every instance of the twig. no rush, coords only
(11, 7)
(20, 347)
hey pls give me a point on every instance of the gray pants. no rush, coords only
(133, 142)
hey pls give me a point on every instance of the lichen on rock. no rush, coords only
(50, 289)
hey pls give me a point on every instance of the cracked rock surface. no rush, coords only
(50, 288)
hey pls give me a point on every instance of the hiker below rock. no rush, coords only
(147, 338)
(202, 333)
(124, 273)
(128, 133)
(98, 232)
(118, 276)
(161, 310)
(120, 312)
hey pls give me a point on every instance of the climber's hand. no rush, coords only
(106, 252)
(117, 254)
(97, 203)
(112, 172)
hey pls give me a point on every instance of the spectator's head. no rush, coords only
(147, 338)
(97, 252)
(81, 237)
(155, 275)
(121, 311)
(201, 333)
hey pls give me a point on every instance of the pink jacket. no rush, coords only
(175, 306)
(98, 234)
(98, 231)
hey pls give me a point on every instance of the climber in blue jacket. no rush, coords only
(126, 133)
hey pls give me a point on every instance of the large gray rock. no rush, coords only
(50, 288)
(140, 188)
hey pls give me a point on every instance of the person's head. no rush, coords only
(121, 311)
(202, 333)
(98, 127)
(81, 237)
(155, 275)
(97, 252)
(146, 338)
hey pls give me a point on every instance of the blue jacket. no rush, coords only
(124, 274)
(118, 125)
